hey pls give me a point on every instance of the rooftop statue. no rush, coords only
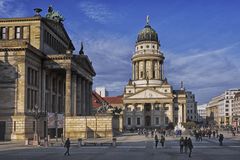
(81, 50)
(54, 15)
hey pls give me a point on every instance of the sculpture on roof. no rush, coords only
(81, 50)
(54, 15)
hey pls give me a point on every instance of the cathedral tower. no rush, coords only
(149, 100)
(147, 61)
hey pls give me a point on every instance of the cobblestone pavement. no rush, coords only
(128, 147)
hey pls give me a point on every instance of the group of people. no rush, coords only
(152, 132)
(187, 145)
(162, 140)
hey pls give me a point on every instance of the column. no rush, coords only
(152, 115)
(83, 97)
(90, 98)
(171, 112)
(133, 71)
(86, 96)
(68, 93)
(184, 112)
(144, 69)
(79, 92)
(137, 70)
(162, 74)
(151, 69)
(74, 94)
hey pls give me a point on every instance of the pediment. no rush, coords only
(59, 30)
(148, 93)
(85, 63)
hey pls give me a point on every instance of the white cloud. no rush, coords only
(95, 11)
(206, 73)
(11, 8)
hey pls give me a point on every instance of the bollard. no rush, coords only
(26, 142)
(114, 142)
(79, 142)
(45, 142)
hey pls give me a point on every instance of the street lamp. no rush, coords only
(36, 114)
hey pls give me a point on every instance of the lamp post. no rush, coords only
(36, 114)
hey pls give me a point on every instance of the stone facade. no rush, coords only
(149, 100)
(191, 107)
(98, 126)
(38, 68)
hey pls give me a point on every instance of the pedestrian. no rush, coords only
(190, 146)
(162, 141)
(185, 142)
(214, 132)
(181, 143)
(156, 140)
(67, 145)
(221, 139)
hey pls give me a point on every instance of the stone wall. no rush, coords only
(98, 126)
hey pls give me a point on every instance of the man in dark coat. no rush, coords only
(190, 146)
(221, 139)
(181, 143)
(156, 140)
(185, 145)
(67, 145)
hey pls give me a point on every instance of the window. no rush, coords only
(153, 74)
(141, 47)
(157, 121)
(14, 126)
(141, 74)
(3, 33)
(156, 107)
(18, 33)
(34, 126)
(147, 46)
(166, 120)
(153, 46)
(129, 121)
(138, 121)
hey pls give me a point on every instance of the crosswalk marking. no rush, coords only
(131, 147)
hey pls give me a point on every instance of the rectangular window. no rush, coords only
(156, 107)
(157, 121)
(14, 126)
(166, 120)
(138, 121)
(34, 126)
(129, 121)
(3, 33)
(141, 74)
(18, 33)
(28, 98)
(29, 76)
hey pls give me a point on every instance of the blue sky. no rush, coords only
(199, 38)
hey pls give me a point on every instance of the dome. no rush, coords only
(147, 34)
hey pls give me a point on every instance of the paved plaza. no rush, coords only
(128, 147)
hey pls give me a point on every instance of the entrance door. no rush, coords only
(2, 130)
(147, 121)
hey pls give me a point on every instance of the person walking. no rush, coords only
(190, 146)
(221, 139)
(162, 141)
(67, 145)
(185, 142)
(156, 140)
(181, 143)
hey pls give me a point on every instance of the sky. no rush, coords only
(200, 39)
